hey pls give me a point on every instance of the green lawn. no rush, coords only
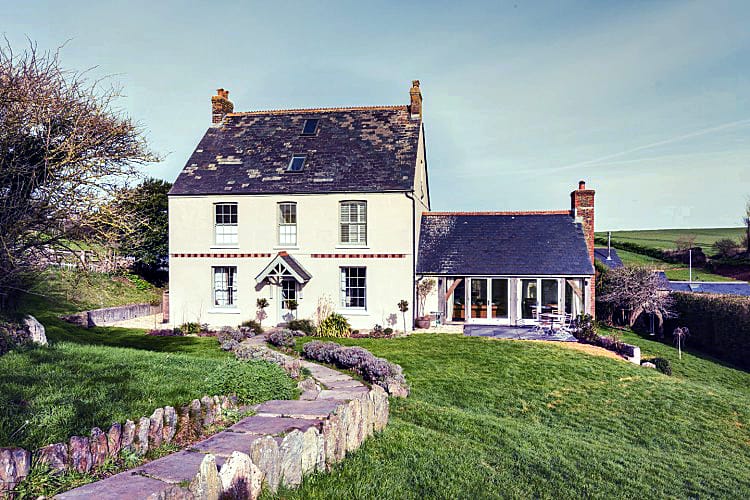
(665, 238)
(516, 419)
(94, 377)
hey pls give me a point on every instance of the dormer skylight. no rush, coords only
(310, 126)
(297, 163)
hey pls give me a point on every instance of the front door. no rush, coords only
(287, 294)
(488, 300)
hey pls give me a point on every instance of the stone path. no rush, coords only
(284, 439)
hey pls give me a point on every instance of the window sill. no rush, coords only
(224, 310)
(224, 247)
(281, 247)
(353, 312)
(352, 247)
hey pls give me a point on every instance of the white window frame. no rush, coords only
(287, 231)
(353, 220)
(226, 233)
(346, 297)
(224, 284)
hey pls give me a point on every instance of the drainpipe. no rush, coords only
(410, 195)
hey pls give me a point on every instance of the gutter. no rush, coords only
(410, 195)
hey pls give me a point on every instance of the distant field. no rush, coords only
(665, 238)
(678, 272)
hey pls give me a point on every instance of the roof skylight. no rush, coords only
(297, 163)
(310, 126)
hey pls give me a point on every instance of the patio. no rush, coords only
(516, 333)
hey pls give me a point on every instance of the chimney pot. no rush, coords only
(581, 185)
(220, 105)
(415, 97)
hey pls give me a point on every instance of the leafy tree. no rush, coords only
(636, 290)
(746, 221)
(148, 241)
(725, 247)
(64, 151)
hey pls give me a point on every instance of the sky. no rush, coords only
(647, 101)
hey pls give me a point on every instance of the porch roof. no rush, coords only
(502, 244)
(284, 265)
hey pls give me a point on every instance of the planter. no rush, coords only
(423, 322)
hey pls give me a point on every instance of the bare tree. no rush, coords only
(685, 242)
(636, 290)
(746, 221)
(64, 150)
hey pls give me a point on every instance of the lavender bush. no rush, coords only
(282, 338)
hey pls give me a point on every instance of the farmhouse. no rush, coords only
(304, 207)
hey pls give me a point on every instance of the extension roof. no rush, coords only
(362, 149)
(502, 243)
(601, 255)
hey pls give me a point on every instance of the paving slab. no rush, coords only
(298, 409)
(343, 394)
(309, 395)
(225, 443)
(123, 486)
(273, 425)
(344, 384)
(180, 466)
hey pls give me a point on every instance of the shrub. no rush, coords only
(376, 330)
(191, 328)
(662, 365)
(351, 357)
(324, 352)
(335, 325)
(251, 381)
(388, 331)
(282, 338)
(376, 369)
(253, 326)
(174, 332)
(229, 345)
(585, 330)
(718, 324)
(303, 325)
(725, 247)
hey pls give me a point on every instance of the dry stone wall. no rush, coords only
(284, 441)
(86, 453)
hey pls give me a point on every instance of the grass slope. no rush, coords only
(673, 271)
(665, 238)
(505, 419)
(93, 377)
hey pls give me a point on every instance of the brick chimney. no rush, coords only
(220, 106)
(582, 208)
(415, 106)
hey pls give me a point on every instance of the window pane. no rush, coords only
(225, 230)
(354, 290)
(499, 298)
(224, 286)
(296, 164)
(310, 126)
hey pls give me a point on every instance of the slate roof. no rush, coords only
(364, 149)
(600, 254)
(719, 287)
(502, 244)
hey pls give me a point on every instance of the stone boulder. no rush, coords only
(290, 459)
(156, 425)
(80, 454)
(36, 330)
(128, 436)
(169, 427)
(114, 439)
(140, 441)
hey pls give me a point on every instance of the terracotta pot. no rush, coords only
(423, 322)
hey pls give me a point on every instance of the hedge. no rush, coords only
(719, 324)
(636, 248)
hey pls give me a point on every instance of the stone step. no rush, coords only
(344, 384)
(224, 443)
(298, 409)
(344, 394)
(273, 425)
(174, 468)
(123, 486)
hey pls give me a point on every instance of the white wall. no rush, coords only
(191, 230)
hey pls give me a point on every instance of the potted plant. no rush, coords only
(292, 306)
(424, 289)
(403, 306)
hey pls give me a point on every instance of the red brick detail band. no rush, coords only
(220, 255)
(358, 255)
